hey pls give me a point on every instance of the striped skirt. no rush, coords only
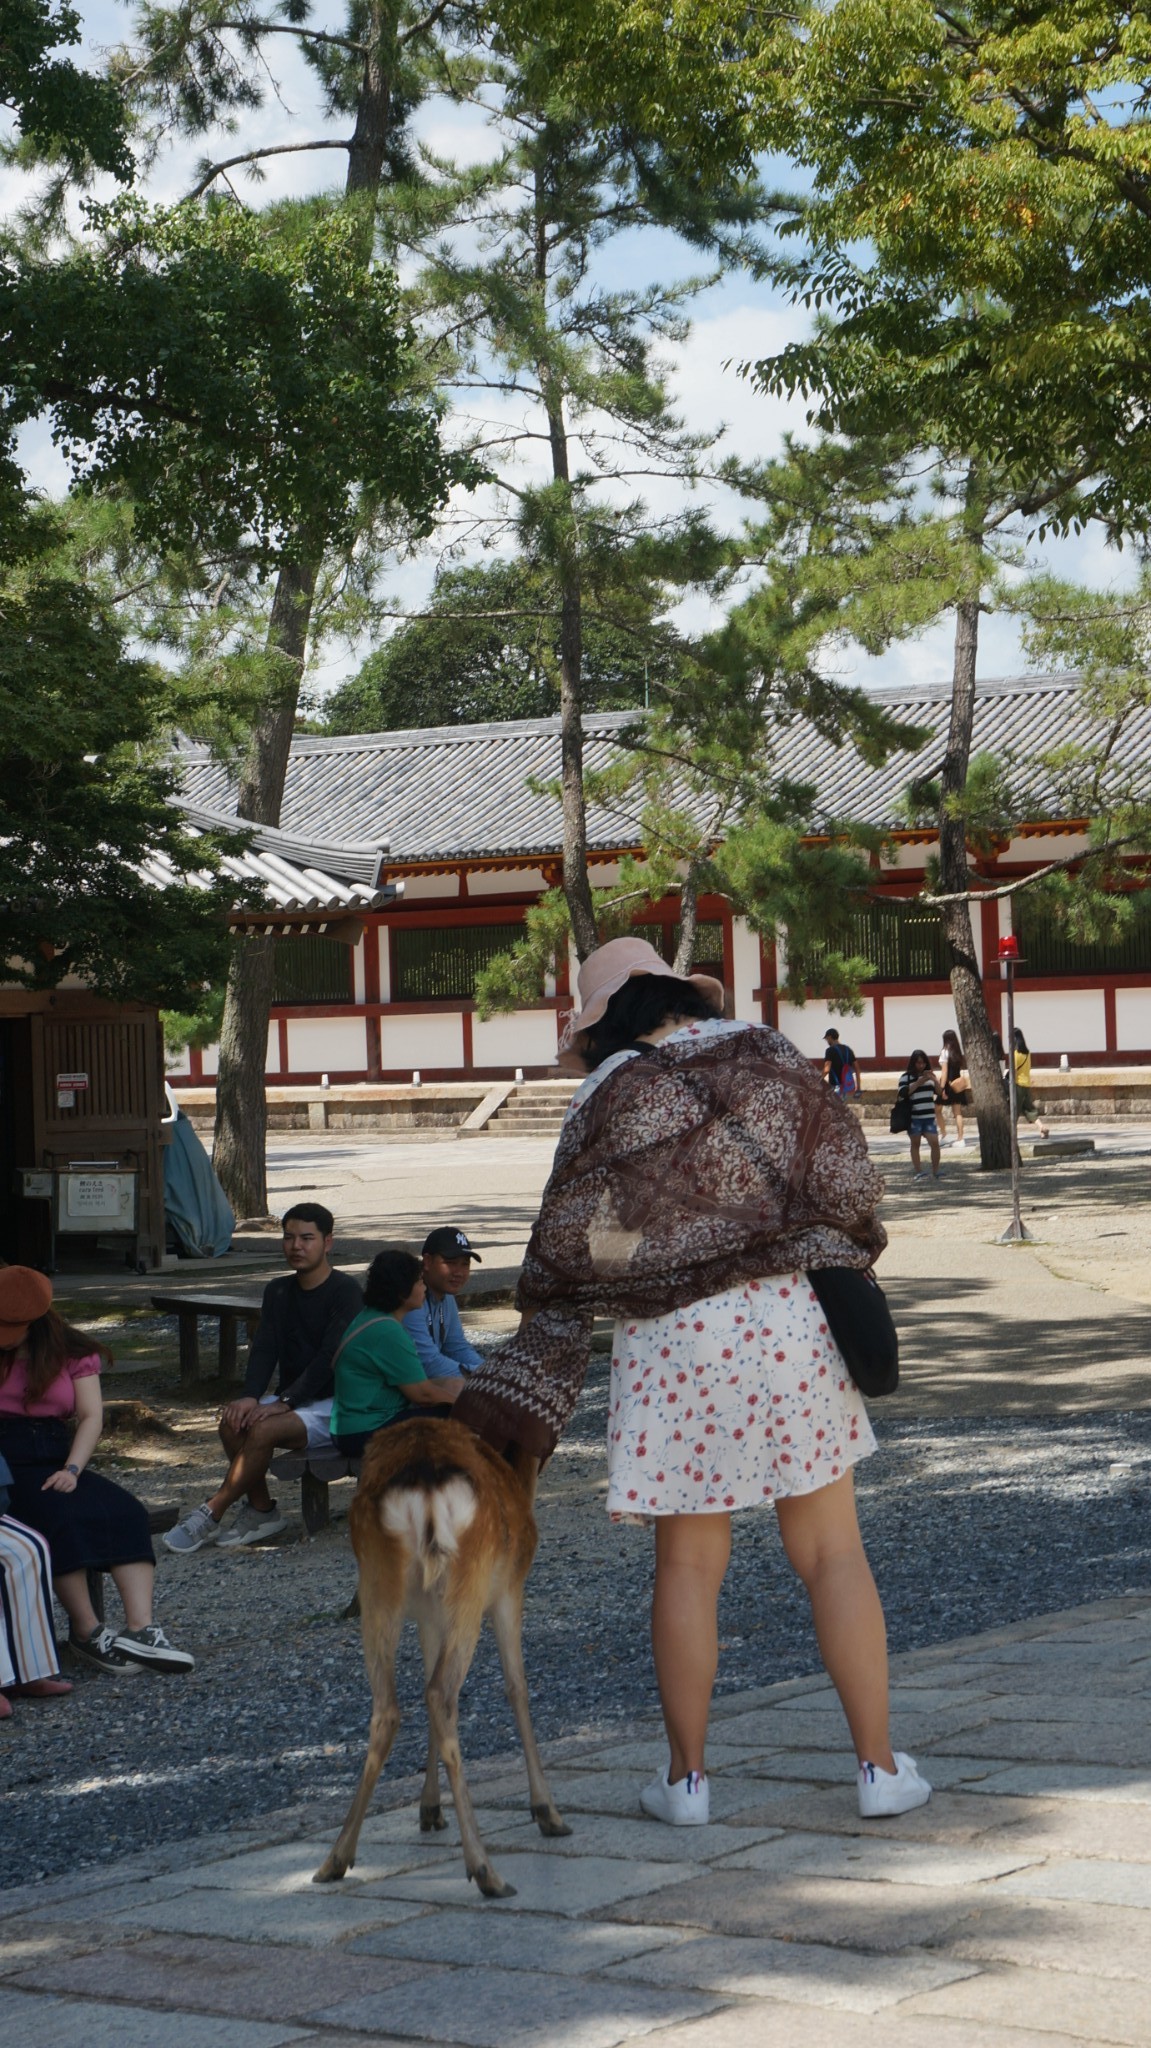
(27, 1642)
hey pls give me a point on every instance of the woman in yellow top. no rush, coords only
(1024, 1100)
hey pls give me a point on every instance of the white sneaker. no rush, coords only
(886, 1792)
(686, 1804)
(253, 1525)
(958, 1145)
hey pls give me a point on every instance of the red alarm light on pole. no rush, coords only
(1009, 947)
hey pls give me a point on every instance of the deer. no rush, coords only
(444, 1532)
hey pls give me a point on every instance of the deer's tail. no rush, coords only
(429, 1516)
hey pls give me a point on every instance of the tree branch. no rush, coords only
(250, 156)
(1053, 867)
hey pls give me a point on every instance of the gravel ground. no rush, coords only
(969, 1524)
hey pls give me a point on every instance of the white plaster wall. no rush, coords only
(384, 951)
(911, 1021)
(430, 1041)
(430, 888)
(327, 1045)
(525, 1039)
(501, 881)
(805, 1027)
(1133, 1020)
(745, 971)
(358, 983)
(211, 1054)
(603, 874)
(914, 856)
(1060, 1020)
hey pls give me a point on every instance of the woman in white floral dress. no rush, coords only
(741, 1399)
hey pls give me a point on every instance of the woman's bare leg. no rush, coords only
(691, 1557)
(134, 1583)
(821, 1537)
(71, 1590)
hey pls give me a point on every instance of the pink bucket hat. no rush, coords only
(605, 971)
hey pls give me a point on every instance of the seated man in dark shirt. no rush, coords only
(302, 1319)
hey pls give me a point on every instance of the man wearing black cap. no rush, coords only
(439, 1338)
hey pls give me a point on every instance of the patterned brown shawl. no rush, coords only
(708, 1160)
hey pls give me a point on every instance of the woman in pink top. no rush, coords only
(50, 1420)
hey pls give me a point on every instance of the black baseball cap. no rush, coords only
(449, 1242)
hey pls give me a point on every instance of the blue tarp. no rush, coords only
(196, 1209)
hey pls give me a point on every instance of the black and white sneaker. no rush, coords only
(150, 1650)
(101, 1652)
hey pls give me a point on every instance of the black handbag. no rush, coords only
(860, 1321)
(900, 1115)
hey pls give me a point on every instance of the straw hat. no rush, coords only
(25, 1296)
(605, 971)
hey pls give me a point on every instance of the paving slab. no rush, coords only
(794, 1907)
(211, 1976)
(1070, 1937)
(316, 1919)
(803, 1973)
(544, 1883)
(877, 1859)
(42, 2021)
(1090, 2008)
(776, 2025)
(568, 1948)
(491, 2008)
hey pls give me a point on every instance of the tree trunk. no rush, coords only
(239, 1150)
(576, 882)
(238, 1153)
(966, 985)
(688, 921)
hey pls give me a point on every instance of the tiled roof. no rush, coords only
(460, 792)
(297, 872)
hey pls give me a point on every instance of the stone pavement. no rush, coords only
(1012, 1912)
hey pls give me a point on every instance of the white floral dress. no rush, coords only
(738, 1400)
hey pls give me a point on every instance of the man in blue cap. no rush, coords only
(436, 1327)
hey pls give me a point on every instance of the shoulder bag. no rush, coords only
(860, 1321)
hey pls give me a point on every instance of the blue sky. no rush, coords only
(736, 321)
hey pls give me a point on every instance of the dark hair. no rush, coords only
(918, 1054)
(50, 1343)
(1021, 1044)
(643, 1003)
(997, 1046)
(831, 1034)
(311, 1212)
(951, 1041)
(391, 1277)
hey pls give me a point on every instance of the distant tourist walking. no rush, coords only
(839, 1068)
(1024, 1100)
(954, 1087)
(917, 1086)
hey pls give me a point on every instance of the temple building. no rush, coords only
(406, 860)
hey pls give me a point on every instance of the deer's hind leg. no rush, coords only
(382, 1622)
(443, 1697)
(431, 1645)
(507, 1627)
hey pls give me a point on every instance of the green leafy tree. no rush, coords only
(488, 648)
(87, 832)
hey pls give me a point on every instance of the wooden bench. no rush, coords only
(159, 1519)
(229, 1310)
(315, 1471)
